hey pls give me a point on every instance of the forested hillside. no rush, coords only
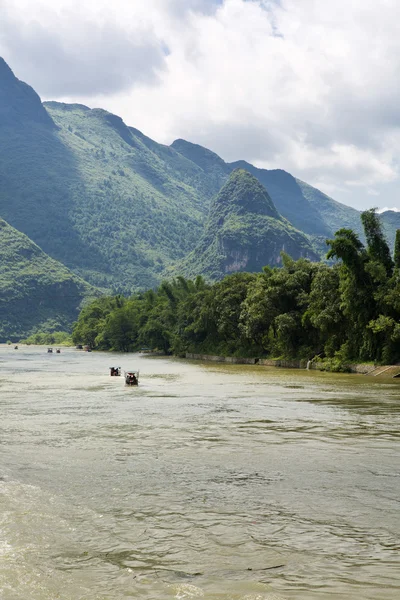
(243, 232)
(116, 207)
(348, 312)
(305, 207)
(36, 292)
(102, 198)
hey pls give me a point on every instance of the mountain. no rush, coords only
(390, 220)
(117, 208)
(244, 232)
(36, 292)
(306, 207)
(19, 103)
(109, 203)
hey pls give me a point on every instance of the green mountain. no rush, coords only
(109, 203)
(114, 206)
(19, 103)
(36, 292)
(306, 207)
(244, 232)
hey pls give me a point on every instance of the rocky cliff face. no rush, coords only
(244, 232)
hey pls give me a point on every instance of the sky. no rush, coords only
(308, 86)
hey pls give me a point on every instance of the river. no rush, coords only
(222, 482)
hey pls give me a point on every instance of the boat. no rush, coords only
(131, 377)
(15, 347)
(79, 347)
(50, 350)
(115, 371)
(58, 351)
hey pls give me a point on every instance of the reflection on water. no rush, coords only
(207, 481)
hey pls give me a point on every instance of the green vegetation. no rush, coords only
(37, 293)
(123, 212)
(117, 208)
(109, 203)
(346, 312)
(305, 207)
(57, 338)
(244, 232)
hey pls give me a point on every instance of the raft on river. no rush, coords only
(115, 371)
(131, 377)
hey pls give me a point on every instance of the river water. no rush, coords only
(207, 481)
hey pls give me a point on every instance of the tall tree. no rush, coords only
(378, 248)
(397, 250)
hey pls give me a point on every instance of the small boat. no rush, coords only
(15, 347)
(50, 350)
(115, 371)
(79, 347)
(87, 348)
(131, 377)
(58, 351)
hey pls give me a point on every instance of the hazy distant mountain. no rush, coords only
(244, 232)
(36, 292)
(391, 221)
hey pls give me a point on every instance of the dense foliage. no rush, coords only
(243, 232)
(346, 312)
(58, 338)
(36, 292)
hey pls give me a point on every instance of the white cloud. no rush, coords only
(385, 208)
(305, 85)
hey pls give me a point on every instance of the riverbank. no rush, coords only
(361, 368)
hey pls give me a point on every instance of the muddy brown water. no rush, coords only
(222, 482)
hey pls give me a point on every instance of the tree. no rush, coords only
(92, 319)
(397, 250)
(324, 311)
(378, 248)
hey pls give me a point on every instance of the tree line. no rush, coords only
(345, 310)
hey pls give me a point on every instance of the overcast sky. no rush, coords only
(309, 86)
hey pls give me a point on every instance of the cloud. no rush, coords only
(66, 53)
(182, 7)
(385, 208)
(305, 85)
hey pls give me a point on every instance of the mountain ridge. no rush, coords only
(116, 207)
(19, 102)
(244, 232)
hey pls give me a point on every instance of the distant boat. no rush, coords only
(79, 347)
(50, 350)
(58, 351)
(115, 371)
(131, 377)
(15, 347)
